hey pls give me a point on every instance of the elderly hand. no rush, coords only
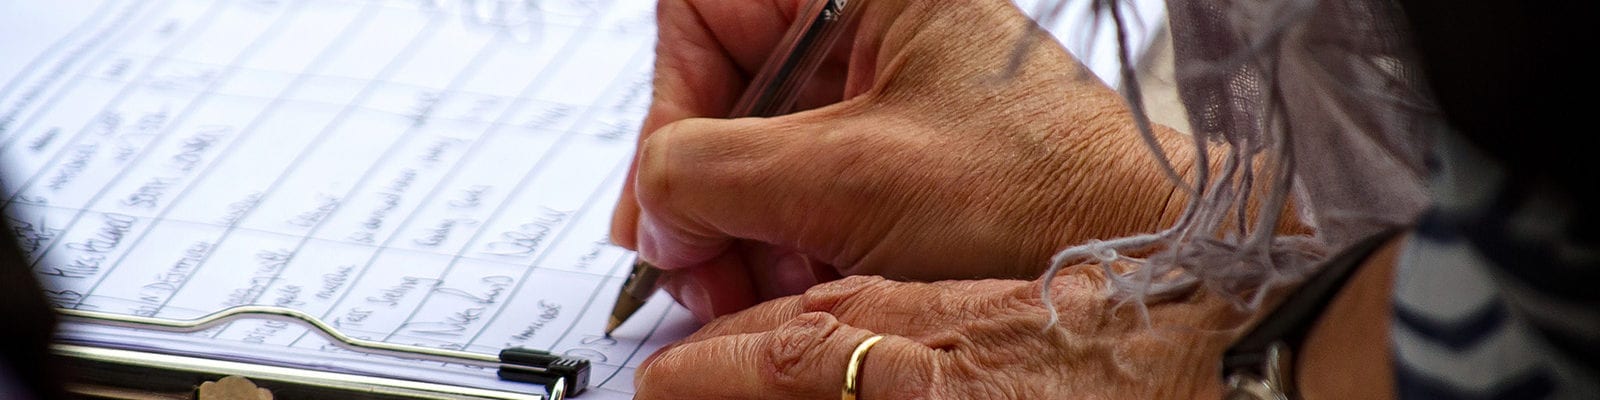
(950, 340)
(929, 158)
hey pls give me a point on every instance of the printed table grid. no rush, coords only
(381, 164)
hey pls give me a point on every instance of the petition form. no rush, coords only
(437, 172)
(429, 172)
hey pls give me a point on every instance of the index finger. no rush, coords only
(706, 52)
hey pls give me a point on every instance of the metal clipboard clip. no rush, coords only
(561, 376)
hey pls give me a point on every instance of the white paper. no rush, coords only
(436, 172)
(1092, 36)
(412, 172)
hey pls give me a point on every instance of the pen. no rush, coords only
(771, 93)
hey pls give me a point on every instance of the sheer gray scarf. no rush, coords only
(1318, 101)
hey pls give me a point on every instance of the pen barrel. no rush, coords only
(776, 88)
(772, 92)
(642, 282)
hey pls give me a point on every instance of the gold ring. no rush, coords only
(854, 368)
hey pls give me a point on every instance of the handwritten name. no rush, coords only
(38, 144)
(333, 281)
(107, 124)
(354, 318)
(388, 200)
(236, 210)
(288, 296)
(436, 151)
(118, 68)
(146, 127)
(468, 198)
(168, 282)
(438, 233)
(548, 312)
(527, 238)
(423, 108)
(325, 206)
(550, 117)
(65, 298)
(391, 296)
(266, 330)
(588, 259)
(193, 148)
(612, 130)
(92, 251)
(269, 264)
(149, 194)
(31, 237)
(453, 325)
(74, 166)
(496, 286)
(632, 98)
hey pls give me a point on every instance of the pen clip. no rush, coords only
(835, 7)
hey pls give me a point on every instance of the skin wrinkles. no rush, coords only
(791, 351)
(1000, 337)
(944, 163)
(920, 218)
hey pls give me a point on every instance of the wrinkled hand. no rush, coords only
(927, 156)
(949, 340)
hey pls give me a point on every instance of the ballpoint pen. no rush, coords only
(771, 93)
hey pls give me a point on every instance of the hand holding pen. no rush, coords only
(772, 92)
(925, 149)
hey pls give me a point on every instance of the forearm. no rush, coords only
(1346, 355)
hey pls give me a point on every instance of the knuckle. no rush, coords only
(794, 351)
(829, 296)
(702, 154)
(653, 179)
(965, 377)
(916, 375)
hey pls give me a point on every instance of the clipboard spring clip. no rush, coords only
(559, 374)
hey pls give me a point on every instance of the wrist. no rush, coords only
(1117, 187)
(1346, 354)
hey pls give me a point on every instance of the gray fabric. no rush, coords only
(1324, 99)
(1314, 101)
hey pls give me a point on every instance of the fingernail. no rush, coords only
(659, 248)
(645, 236)
(697, 299)
(669, 249)
(793, 274)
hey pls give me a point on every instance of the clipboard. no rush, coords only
(129, 374)
(225, 39)
(106, 370)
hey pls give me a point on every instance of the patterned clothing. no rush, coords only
(1497, 296)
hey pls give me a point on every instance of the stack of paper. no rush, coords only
(411, 172)
(438, 173)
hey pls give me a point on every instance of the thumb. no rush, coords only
(701, 184)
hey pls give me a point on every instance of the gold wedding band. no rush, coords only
(854, 368)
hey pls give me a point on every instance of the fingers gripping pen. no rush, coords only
(771, 93)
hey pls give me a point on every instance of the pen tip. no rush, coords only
(611, 325)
